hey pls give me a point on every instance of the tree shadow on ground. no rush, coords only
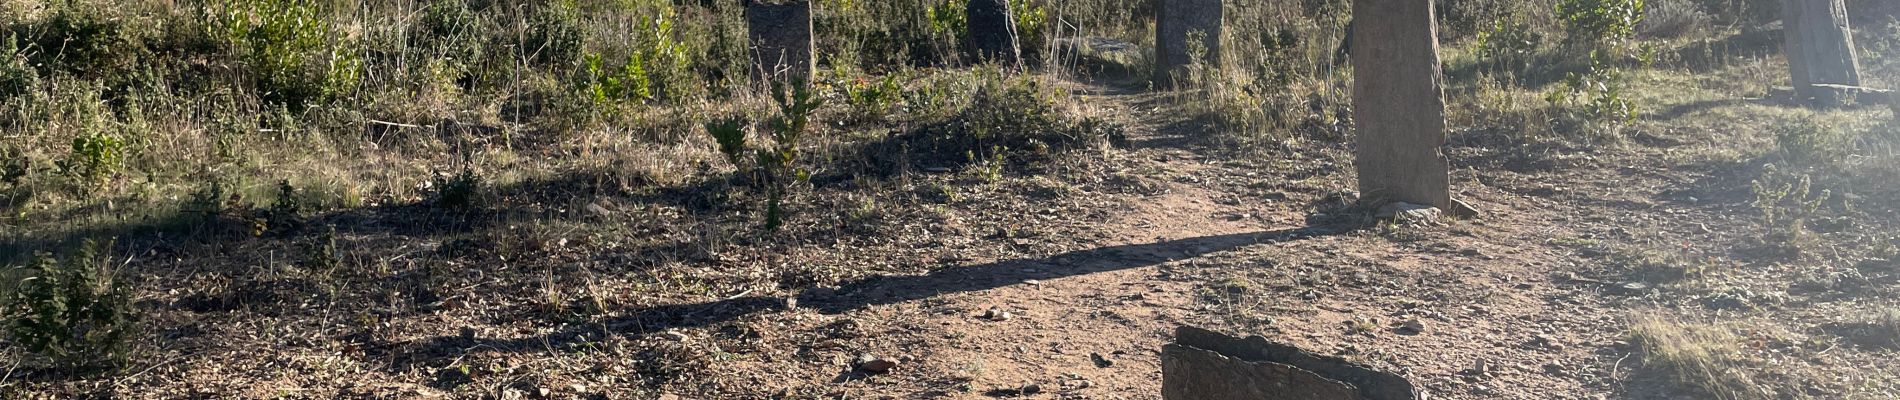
(853, 296)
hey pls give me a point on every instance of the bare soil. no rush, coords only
(1095, 260)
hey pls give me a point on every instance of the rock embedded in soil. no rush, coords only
(1100, 361)
(875, 365)
(1413, 327)
(1410, 213)
(1203, 364)
(997, 314)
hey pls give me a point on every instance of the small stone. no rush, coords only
(1100, 361)
(599, 210)
(1410, 213)
(875, 365)
(1029, 389)
(1632, 288)
(997, 314)
(1547, 342)
(675, 336)
(1032, 282)
(1554, 368)
(1413, 326)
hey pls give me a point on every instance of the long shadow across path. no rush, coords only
(856, 295)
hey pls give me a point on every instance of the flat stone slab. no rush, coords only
(780, 36)
(1206, 365)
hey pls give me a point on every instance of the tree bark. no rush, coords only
(1399, 104)
(1820, 45)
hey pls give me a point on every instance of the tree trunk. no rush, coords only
(1399, 104)
(1820, 45)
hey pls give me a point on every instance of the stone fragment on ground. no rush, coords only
(1410, 213)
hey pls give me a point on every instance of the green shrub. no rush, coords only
(94, 157)
(1032, 21)
(13, 166)
(460, 191)
(1806, 141)
(80, 41)
(773, 165)
(871, 100)
(287, 214)
(658, 66)
(1591, 21)
(72, 314)
(554, 35)
(1594, 101)
(1508, 44)
(730, 134)
(1787, 202)
(796, 106)
(296, 56)
(17, 76)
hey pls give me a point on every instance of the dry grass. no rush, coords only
(1700, 357)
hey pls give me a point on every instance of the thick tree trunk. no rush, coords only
(1820, 45)
(781, 41)
(1176, 21)
(1399, 104)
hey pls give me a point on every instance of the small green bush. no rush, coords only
(773, 165)
(1594, 101)
(71, 314)
(554, 36)
(1805, 141)
(1032, 21)
(1508, 44)
(796, 107)
(460, 191)
(1787, 202)
(17, 76)
(1594, 21)
(79, 41)
(658, 66)
(13, 166)
(94, 157)
(730, 134)
(872, 100)
(296, 56)
(287, 214)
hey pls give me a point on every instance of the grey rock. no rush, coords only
(875, 365)
(1204, 365)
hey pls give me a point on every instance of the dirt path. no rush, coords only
(1061, 285)
(1089, 324)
